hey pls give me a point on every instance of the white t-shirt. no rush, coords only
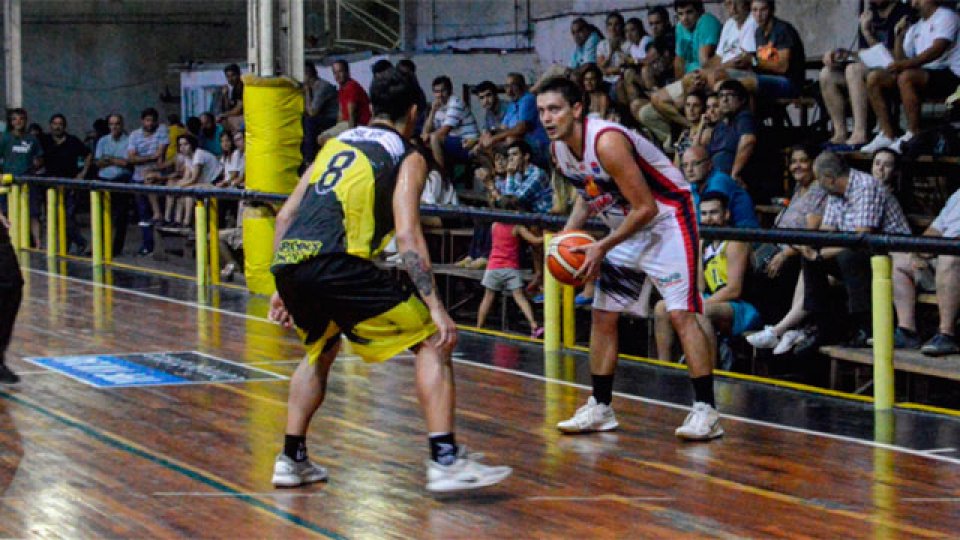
(639, 51)
(434, 192)
(235, 163)
(210, 166)
(948, 221)
(943, 24)
(616, 58)
(735, 41)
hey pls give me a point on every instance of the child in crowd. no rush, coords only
(503, 268)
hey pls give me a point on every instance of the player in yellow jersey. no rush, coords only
(363, 186)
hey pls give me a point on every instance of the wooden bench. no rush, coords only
(804, 103)
(910, 362)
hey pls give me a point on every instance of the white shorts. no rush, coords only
(665, 251)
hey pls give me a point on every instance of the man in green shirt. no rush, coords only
(21, 154)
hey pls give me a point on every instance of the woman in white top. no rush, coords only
(629, 89)
(612, 52)
(202, 168)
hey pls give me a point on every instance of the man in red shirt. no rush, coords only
(354, 102)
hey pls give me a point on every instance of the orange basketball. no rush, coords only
(562, 262)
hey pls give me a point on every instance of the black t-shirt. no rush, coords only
(63, 160)
(882, 29)
(784, 36)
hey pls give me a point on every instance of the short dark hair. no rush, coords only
(191, 140)
(808, 149)
(393, 94)
(232, 68)
(15, 111)
(523, 146)
(309, 68)
(772, 4)
(173, 119)
(697, 94)
(346, 66)
(716, 196)
(380, 66)
(485, 86)
(638, 23)
(443, 81)
(519, 76)
(208, 114)
(695, 4)
(54, 116)
(193, 124)
(118, 116)
(736, 87)
(570, 90)
(615, 15)
(150, 111)
(660, 11)
(407, 64)
(579, 21)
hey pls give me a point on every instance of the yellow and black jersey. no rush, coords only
(348, 207)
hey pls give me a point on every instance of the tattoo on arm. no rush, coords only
(419, 273)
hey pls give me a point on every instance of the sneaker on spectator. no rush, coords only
(538, 299)
(464, 262)
(290, 473)
(808, 343)
(702, 424)
(764, 339)
(591, 417)
(581, 300)
(897, 145)
(860, 339)
(940, 345)
(879, 142)
(905, 339)
(537, 332)
(478, 264)
(789, 339)
(465, 473)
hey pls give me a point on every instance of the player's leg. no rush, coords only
(11, 294)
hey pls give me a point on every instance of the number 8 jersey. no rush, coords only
(348, 206)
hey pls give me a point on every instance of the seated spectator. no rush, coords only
(734, 138)
(202, 168)
(111, 156)
(737, 47)
(354, 103)
(232, 160)
(450, 129)
(629, 90)
(406, 65)
(381, 68)
(175, 128)
(210, 133)
(805, 211)
(711, 117)
(527, 182)
(591, 80)
(612, 52)
(321, 110)
(699, 171)
(658, 63)
(231, 100)
(886, 168)
(780, 57)
(927, 64)
(487, 94)
(503, 272)
(726, 266)
(494, 182)
(943, 272)
(586, 37)
(521, 121)
(693, 107)
(843, 69)
(857, 203)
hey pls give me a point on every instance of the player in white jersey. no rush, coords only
(626, 181)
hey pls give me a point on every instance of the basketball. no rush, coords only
(562, 262)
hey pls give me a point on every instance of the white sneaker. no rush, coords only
(789, 339)
(289, 473)
(764, 339)
(464, 473)
(879, 142)
(702, 424)
(897, 145)
(591, 417)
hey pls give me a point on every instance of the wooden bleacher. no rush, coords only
(907, 362)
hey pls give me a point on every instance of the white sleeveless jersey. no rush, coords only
(670, 190)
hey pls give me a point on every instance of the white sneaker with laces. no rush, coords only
(879, 142)
(591, 417)
(702, 424)
(290, 473)
(464, 473)
(897, 145)
(789, 339)
(764, 339)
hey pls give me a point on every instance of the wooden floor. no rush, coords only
(195, 461)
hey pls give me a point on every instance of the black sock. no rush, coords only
(295, 447)
(703, 389)
(443, 448)
(602, 388)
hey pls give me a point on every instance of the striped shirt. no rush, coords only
(865, 205)
(456, 115)
(143, 144)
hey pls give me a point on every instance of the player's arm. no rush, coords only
(278, 312)
(412, 246)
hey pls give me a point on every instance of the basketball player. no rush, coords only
(11, 292)
(646, 203)
(363, 186)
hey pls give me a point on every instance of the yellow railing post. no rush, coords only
(107, 229)
(96, 227)
(25, 216)
(569, 316)
(882, 333)
(214, 228)
(551, 304)
(13, 206)
(200, 219)
(51, 222)
(61, 221)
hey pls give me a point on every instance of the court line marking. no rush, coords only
(762, 423)
(168, 462)
(930, 499)
(212, 494)
(598, 498)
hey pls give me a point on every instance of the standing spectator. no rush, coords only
(780, 56)
(699, 171)
(111, 156)
(354, 102)
(734, 138)
(586, 37)
(450, 129)
(146, 148)
(65, 156)
(612, 52)
(22, 154)
(231, 100)
(842, 68)
(927, 65)
(210, 133)
(321, 110)
(521, 120)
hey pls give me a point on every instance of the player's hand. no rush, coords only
(446, 329)
(278, 312)
(595, 253)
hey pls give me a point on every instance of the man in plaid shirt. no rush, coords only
(527, 182)
(858, 202)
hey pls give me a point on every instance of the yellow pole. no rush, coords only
(569, 316)
(61, 221)
(25, 216)
(13, 205)
(200, 217)
(96, 228)
(214, 242)
(51, 222)
(551, 305)
(107, 229)
(882, 333)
